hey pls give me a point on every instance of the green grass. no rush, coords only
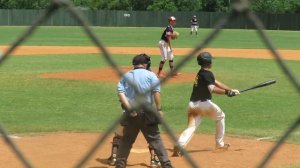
(228, 38)
(31, 104)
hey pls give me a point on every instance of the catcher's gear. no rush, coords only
(115, 146)
(204, 58)
(175, 35)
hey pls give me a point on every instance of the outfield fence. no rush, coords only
(25, 17)
(240, 8)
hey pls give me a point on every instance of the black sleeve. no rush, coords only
(209, 78)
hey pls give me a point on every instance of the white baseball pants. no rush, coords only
(165, 51)
(194, 28)
(196, 111)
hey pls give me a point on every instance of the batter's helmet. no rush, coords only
(204, 58)
(142, 59)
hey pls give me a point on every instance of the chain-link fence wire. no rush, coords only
(239, 7)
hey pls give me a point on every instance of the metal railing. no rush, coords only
(240, 7)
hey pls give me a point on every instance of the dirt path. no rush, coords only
(62, 150)
(219, 52)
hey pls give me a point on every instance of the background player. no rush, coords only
(194, 25)
(200, 104)
(166, 48)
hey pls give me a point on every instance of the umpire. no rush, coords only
(135, 120)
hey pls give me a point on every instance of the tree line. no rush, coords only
(260, 6)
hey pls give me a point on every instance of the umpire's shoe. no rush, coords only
(112, 160)
(154, 163)
(176, 152)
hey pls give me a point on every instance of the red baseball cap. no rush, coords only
(172, 18)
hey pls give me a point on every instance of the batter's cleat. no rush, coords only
(176, 152)
(154, 163)
(222, 148)
(112, 160)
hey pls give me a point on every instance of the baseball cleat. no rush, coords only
(176, 152)
(223, 148)
(112, 160)
(154, 163)
(160, 75)
(175, 73)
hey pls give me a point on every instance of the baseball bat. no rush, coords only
(263, 84)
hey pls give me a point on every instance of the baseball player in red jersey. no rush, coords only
(200, 104)
(166, 48)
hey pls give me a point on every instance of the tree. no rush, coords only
(276, 6)
(189, 5)
(23, 4)
(162, 5)
(140, 4)
(110, 4)
(216, 5)
(291, 6)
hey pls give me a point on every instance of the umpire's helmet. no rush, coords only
(204, 59)
(142, 59)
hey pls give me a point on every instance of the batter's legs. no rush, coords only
(220, 130)
(193, 122)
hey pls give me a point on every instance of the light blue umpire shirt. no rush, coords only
(143, 79)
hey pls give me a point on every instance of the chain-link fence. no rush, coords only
(119, 18)
(240, 8)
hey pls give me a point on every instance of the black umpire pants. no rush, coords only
(151, 134)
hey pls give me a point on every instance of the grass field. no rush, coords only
(149, 37)
(31, 104)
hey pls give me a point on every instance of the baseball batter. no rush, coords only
(200, 104)
(165, 47)
(194, 25)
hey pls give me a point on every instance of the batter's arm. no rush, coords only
(223, 89)
(222, 85)
(220, 88)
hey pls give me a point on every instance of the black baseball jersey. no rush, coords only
(194, 21)
(168, 31)
(203, 79)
